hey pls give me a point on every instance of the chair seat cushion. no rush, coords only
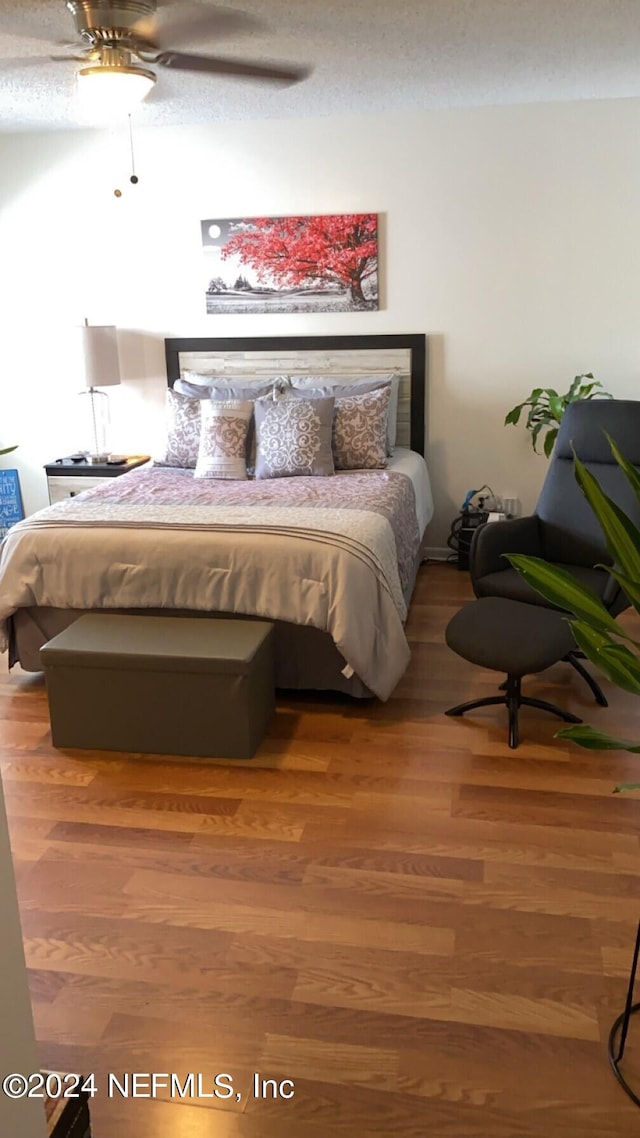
(511, 585)
(509, 636)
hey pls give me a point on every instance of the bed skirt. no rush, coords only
(305, 656)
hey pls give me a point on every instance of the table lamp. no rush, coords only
(101, 369)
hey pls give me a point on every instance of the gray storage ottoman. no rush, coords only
(161, 684)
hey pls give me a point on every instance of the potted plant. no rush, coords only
(609, 646)
(7, 450)
(546, 408)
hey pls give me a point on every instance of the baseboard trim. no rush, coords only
(437, 553)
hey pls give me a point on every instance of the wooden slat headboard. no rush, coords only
(339, 356)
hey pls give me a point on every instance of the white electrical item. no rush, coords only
(494, 516)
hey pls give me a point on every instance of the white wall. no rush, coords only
(21, 1117)
(510, 235)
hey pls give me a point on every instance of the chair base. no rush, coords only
(573, 658)
(513, 699)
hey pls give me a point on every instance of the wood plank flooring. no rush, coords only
(427, 933)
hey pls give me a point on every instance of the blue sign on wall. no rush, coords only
(11, 510)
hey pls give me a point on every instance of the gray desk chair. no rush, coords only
(563, 529)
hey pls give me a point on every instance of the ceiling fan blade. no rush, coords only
(19, 63)
(192, 24)
(240, 68)
(70, 45)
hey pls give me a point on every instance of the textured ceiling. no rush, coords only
(366, 55)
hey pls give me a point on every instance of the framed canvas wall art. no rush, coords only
(317, 263)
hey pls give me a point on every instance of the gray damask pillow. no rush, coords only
(341, 387)
(223, 439)
(182, 432)
(293, 437)
(360, 431)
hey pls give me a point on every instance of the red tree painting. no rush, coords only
(288, 264)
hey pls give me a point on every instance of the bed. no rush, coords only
(332, 561)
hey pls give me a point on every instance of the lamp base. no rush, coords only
(96, 415)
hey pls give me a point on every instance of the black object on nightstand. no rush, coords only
(68, 476)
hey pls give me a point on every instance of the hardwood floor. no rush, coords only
(428, 933)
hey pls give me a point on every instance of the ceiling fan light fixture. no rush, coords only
(114, 89)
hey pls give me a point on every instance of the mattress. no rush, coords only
(413, 466)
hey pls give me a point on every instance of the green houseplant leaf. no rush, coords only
(594, 740)
(621, 536)
(557, 405)
(549, 440)
(632, 475)
(616, 660)
(577, 382)
(564, 591)
(7, 450)
(629, 587)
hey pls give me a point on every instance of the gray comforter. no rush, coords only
(335, 553)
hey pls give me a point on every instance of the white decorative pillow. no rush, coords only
(340, 387)
(223, 439)
(293, 437)
(220, 388)
(360, 431)
(183, 432)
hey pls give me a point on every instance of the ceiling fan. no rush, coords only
(123, 40)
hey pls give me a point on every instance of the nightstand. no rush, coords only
(66, 478)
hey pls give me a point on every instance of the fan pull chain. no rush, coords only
(134, 179)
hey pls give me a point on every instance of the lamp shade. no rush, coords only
(100, 355)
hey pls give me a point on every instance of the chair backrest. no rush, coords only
(570, 530)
